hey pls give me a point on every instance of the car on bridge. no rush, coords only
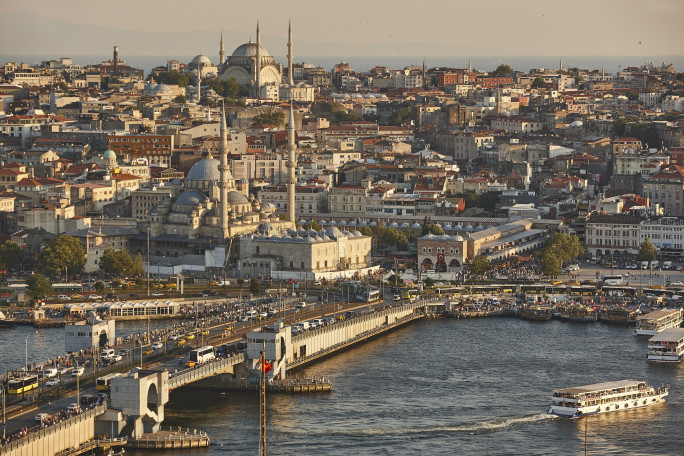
(42, 416)
(148, 352)
(53, 382)
(157, 346)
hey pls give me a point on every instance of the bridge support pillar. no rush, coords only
(140, 397)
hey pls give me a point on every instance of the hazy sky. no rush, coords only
(516, 27)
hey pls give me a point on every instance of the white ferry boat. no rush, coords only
(667, 345)
(659, 320)
(605, 397)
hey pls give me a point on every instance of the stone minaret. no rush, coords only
(289, 57)
(199, 82)
(116, 59)
(258, 59)
(291, 163)
(222, 51)
(470, 68)
(224, 170)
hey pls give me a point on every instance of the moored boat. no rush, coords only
(618, 316)
(659, 320)
(536, 313)
(579, 313)
(668, 345)
(605, 397)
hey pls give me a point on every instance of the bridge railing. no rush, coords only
(47, 431)
(194, 373)
(412, 306)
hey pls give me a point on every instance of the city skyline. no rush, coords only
(609, 28)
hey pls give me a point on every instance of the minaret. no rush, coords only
(222, 52)
(470, 68)
(424, 74)
(291, 163)
(289, 56)
(224, 170)
(199, 82)
(258, 59)
(561, 65)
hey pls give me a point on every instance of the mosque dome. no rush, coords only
(203, 59)
(237, 198)
(190, 198)
(206, 170)
(249, 50)
(109, 154)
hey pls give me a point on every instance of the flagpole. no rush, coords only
(262, 403)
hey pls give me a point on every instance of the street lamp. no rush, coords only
(148, 261)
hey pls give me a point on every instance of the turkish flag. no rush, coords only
(440, 258)
(266, 367)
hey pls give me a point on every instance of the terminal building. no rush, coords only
(89, 333)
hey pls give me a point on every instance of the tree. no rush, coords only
(429, 227)
(647, 251)
(274, 117)
(400, 115)
(174, 77)
(537, 83)
(63, 254)
(11, 255)
(38, 286)
(502, 70)
(550, 264)
(480, 266)
(428, 282)
(180, 99)
(254, 286)
(120, 263)
(313, 225)
(206, 101)
(565, 247)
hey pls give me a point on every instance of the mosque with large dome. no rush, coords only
(200, 208)
(250, 64)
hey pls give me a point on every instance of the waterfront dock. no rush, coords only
(170, 438)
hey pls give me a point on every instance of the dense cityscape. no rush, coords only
(212, 223)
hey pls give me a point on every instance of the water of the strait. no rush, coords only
(453, 387)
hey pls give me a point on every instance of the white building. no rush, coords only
(90, 333)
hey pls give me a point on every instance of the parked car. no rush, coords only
(63, 297)
(157, 294)
(94, 296)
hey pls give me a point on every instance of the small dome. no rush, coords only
(416, 226)
(109, 154)
(190, 198)
(249, 50)
(237, 198)
(205, 170)
(162, 88)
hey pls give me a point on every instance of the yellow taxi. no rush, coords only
(180, 342)
(190, 363)
(148, 352)
(214, 283)
(189, 337)
(205, 332)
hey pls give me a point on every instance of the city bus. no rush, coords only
(104, 383)
(21, 385)
(202, 355)
(370, 295)
(67, 287)
(619, 291)
(615, 279)
(409, 294)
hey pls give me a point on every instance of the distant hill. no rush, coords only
(31, 34)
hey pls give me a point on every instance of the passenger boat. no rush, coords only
(659, 320)
(536, 313)
(579, 313)
(605, 397)
(667, 345)
(618, 316)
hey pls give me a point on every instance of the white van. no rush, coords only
(319, 322)
(107, 353)
(655, 264)
(49, 373)
(644, 265)
(667, 264)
